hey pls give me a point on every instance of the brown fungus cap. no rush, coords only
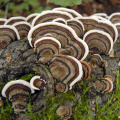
(46, 47)
(49, 15)
(64, 111)
(37, 83)
(71, 11)
(23, 28)
(8, 34)
(98, 40)
(64, 34)
(66, 69)
(13, 20)
(2, 21)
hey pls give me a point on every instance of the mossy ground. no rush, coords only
(80, 110)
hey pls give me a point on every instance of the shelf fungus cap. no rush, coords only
(118, 28)
(30, 17)
(60, 20)
(96, 60)
(99, 42)
(104, 15)
(71, 11)
(49, 15)
(37, 83)
(46, 47)
(103, 85)
(77, 26)
(114, 17)
(2, 21)
(18, 92)
(67, 70)
(17, 84)
(13, 20)
(23, 28)
(86, 69)
(8, 34)
(110, 28)
(64, 111)
(89, 23)
(64, 34)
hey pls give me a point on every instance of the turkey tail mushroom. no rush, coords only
(2, 21)
(67, 70)
(64, 111)
(64, 34)
(23, 28)
(86, 69)
(99, 42)
(104, 85)
(96, 60)
(71, 11)
(60, 20)
(13, 20)
(30, 17)
(18, 92)
(115, 17)
(77, 26)
(7, 35)
(46, 47)
(37, 83)
(49, 15)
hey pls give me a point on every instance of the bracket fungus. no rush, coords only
(13, 20)
(77, 26)
(23, 28)
(17, 92)
(104, 15)
(114, 17)
(30, 17)
(71, 11)
(45, 48)
(86, 70)
(96, 60)
(99, 42)
(67, 70)
(2, 21)
(118, 28)
(8, 34)
(64, 111)
(49, 15)
(64, 34)
(60, 20)
(105, 84)
(37, 83)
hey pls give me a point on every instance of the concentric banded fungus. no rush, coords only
(118, 28)
(77, 26)
(104, 15)
(2, 21)
(89, 23)
(60, 20)
(13, 20)
(96, 60)
(49, 15)
(99, 42)
(71, 11)
(23, 28)
(18, 93)
(64, 34)
(67, 70)
(46, 47)
(86, 69)
(64, 111)
(115, 17)
(30, 17)
(104, 85)
(108, 27)
(37, 83)
(8, 34)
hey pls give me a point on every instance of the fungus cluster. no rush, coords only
(63, 39)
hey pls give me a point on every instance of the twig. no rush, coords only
(6, 9)
(5, 4)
